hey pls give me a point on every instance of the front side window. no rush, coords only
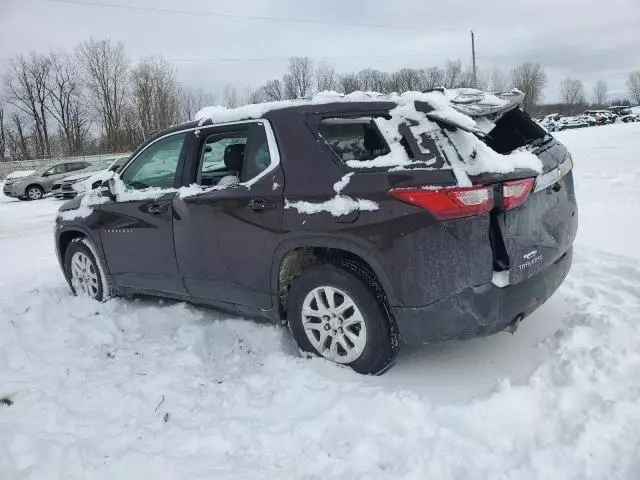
(57, 170)
(232, 157)
(353, 139)
(157, 165)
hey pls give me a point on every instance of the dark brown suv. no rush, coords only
(360, 222)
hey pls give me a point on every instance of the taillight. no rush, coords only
(516, 192)
(447, 203)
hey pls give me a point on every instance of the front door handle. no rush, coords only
(260, 204)
(156, 208)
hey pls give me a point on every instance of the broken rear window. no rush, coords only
(353, 139)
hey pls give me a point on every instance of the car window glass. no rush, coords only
(233, 157)
(353, 139)
(155, 166)
(57, 170)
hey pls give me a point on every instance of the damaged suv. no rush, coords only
(362, 221)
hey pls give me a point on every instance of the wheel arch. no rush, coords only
(68, 233)
(294, 256)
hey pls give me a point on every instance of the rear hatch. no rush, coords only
(533, 215)
(530, 232)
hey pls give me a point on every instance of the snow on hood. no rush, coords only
(20, 174)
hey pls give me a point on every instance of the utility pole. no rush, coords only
(473, 56)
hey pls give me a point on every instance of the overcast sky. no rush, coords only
(586, 39)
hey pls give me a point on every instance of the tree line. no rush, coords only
(91, 100)
(95, 100)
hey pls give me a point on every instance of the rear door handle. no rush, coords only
(260, 204)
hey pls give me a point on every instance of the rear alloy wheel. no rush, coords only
(83, 271)
(334, 314)
(34, 192)
(334, 324)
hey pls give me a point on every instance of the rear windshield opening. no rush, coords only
(513, 130)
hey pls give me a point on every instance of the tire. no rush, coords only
(366, 330)
(34, 192)
(84, 271)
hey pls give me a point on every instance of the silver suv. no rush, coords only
(36, 185)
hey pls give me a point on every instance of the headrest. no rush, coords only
(234, 157)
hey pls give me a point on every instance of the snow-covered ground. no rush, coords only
(147, 389)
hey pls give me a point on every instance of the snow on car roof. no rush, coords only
(456, 105)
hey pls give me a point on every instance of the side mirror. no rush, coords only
(108, 189)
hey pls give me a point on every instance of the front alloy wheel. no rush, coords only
(83, 271)
(84, 275)
(35, 193)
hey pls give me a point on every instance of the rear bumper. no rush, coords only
(480, 311)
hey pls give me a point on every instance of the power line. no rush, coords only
(255, 17)
(279, 59)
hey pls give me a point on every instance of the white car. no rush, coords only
(88, 179)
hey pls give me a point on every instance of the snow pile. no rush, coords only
(479, 158)
(454, 107)
(342, 183)
(337, 206)
(219, 114)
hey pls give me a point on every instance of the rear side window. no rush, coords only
(353, 139)
(232, 157)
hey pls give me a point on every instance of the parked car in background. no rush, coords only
(630, 118)
(94, 181)
(15, 175)
(550, 122)
(620, 110)
(68, 187)
(39, 183)
(342, 219)
(601, 117)
(568, 123)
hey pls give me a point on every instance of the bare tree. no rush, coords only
(572, 91)
(326, 77)
(192, 100)
(155, 93)
(257, 96)
(434, 77)
(26, 84)
(454, 77)
(105, 68)
(633, 84)
(600, 90)
(3, 136)
(18, 147)
(349, 83)
(274, 90)
(230, 96)
(531, 79)
(498, 81)
(408, 79)
(66, 102)
(298, 81)
(372, 80)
